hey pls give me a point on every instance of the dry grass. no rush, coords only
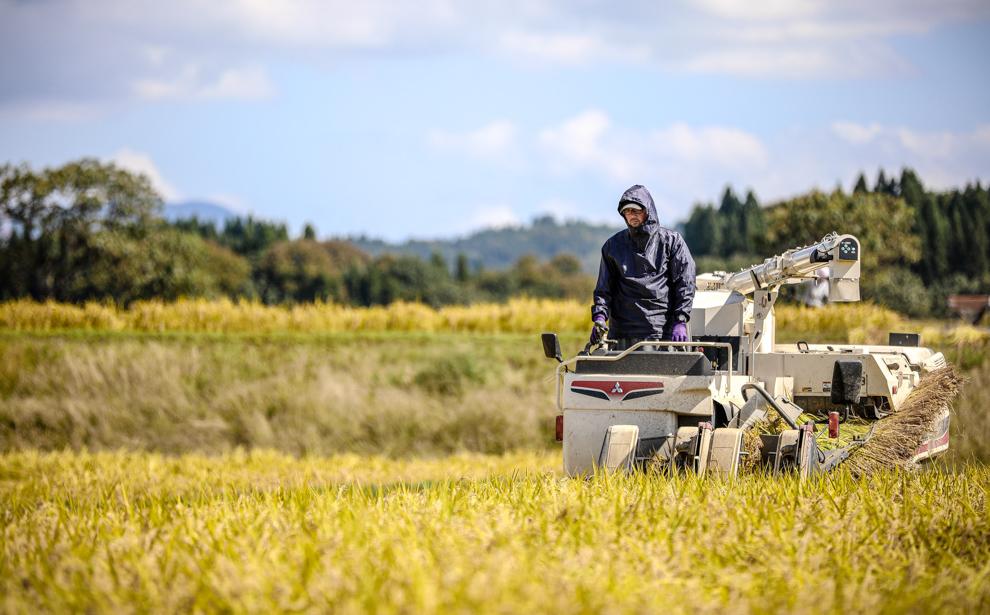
(970, 422)
(395, 395)
(262, 532)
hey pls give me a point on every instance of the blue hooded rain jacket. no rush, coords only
(646, 278)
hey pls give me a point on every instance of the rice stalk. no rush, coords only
(896, 437)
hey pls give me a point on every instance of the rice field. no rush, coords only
(225, 316)
(849, 322)
(219, 457)
(263, 532)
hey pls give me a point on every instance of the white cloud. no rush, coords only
(52, 111)
(326, 23)
(568, 48)
(578, 136)
(145, 49)
(763, 10)
(798, 63)
(683, 163)
(492, 216)
(801, 39)
(943, 158)
(854, 133)
(940, 144)
(242, 83)
(139, 162)
(588, 142)
(156, 54)
(727, 147)
(918, 144)
(246, 83)
(679, 163)
(493, 140)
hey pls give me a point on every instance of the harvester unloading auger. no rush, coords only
(702, 406)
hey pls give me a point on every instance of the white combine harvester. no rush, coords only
(688, 404)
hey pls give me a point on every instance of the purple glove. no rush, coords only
(679, 333)
(599, 331)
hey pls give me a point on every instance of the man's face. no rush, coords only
(634, 216)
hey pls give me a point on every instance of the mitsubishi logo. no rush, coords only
(616, 390)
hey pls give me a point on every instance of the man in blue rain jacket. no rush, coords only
(646, 278)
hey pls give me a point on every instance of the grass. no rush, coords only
(970, 427)
(393, 394)
(215, 457)
(397, 394)
(263, 532)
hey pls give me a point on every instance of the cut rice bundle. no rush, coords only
(897, 437)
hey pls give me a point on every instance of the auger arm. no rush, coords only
(840, 253)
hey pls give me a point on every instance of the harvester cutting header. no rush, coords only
(688, 405)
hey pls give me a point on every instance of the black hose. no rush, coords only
(770, 400)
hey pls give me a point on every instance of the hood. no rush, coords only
(641, 196)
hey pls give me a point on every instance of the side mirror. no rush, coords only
(551, 346)
(847, 382)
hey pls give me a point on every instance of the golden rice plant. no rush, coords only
(840, 322)
(224, 316)
(27, 315)
(843, 323)
(267, 533)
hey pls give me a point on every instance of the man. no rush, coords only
(646, 278)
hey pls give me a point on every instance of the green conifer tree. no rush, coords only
(733, 240)
(861, 187)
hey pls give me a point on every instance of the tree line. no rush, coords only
(919, 245)
(89, 230)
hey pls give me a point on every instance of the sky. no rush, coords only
(434, 118)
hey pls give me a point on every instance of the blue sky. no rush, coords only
(430, 119)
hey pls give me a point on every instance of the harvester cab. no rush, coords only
(704, 406)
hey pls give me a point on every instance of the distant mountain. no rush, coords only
(204, 210)
(501, 247)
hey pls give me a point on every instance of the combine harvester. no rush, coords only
(688, 406)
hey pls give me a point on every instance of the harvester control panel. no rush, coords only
(848, 250)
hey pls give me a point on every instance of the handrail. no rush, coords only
(770, 400)
(564, 364)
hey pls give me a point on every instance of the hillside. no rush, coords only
(205, 211)
(498, 248)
